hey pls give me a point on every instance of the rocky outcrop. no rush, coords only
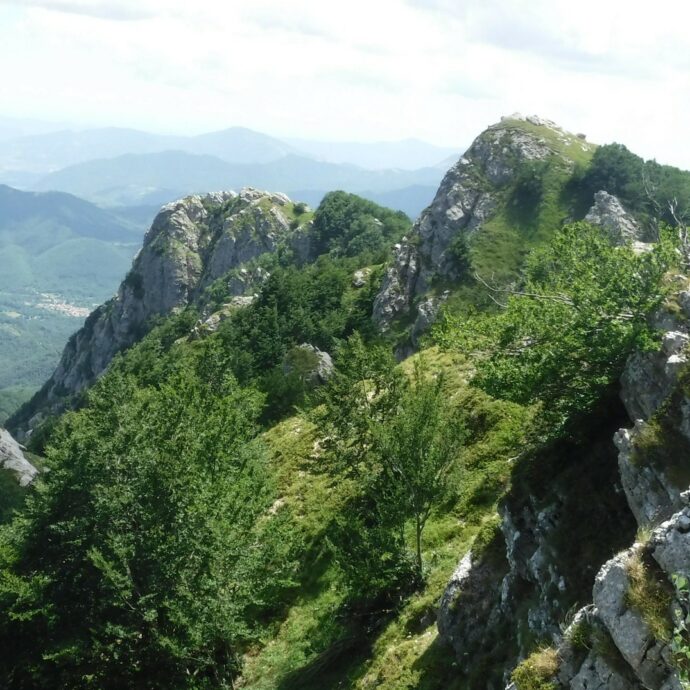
(612, 642)
(608, 213)
(646, 654)
(12, 459)
(467, 197)
(626, 624)
(360, 277)
(191, 243)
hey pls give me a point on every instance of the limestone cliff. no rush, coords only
(654, 465)
(551, 552)
(191, 243)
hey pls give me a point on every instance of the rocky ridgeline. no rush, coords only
(544, 562)
(469, 195)
(191, 243)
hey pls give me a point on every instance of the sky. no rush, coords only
(361, 70)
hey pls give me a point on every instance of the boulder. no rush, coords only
(12, 458)
(359, 278)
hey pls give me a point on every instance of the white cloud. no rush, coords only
(434, 69)
(118, 10)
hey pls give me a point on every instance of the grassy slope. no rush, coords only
(313, 647)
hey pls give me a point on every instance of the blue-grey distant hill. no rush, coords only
(55, 150)
(34, 147)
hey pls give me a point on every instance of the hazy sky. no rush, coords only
(440, 70)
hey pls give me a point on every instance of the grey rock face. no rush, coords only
(651, 494)
(670, 544)
(649, 661)
(427, 311)
(647, 381)
(608, 213)
(253, 228)
(584, 668)
(457, 583)
(597, 674)
(471, 604)
(399, 284)
(12, 459)
(528, 536)
(649, 377)
(191, 243)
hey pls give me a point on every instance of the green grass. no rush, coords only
(297, 219)
(538, 671)
(501, 247)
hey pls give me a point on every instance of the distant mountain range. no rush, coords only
(39, 151)
(118, 167)
(155, 178)
(47, 152)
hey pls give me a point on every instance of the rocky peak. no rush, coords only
(467, 198)
(191, 243)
